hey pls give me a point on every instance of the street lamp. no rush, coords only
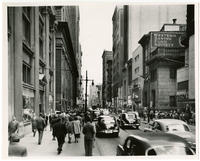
(86, 89)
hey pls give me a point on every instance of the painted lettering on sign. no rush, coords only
(168, 40)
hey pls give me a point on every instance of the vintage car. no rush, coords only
(173, 126)
(147, 144)
(129, 119)
(107, 125)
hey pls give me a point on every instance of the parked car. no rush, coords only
(129, 119)
(173, 126)
(154, 144)
(107, 125)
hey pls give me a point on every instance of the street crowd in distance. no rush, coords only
(67, 124)
(187, 114)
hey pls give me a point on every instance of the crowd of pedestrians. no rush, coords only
(186, 115)
(64, 126)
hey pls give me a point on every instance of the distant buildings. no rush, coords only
(95, 98)
(43, 60)
(107, 58)
(151, 74)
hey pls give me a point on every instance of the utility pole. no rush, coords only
(86, 92)
(86, 84)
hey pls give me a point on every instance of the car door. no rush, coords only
(127, 146)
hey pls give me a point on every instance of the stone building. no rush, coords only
(163, 54)
(31, 55)
(107, 78)
(186, 75)
(118, 50)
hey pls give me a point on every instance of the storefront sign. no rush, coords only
(166, 39)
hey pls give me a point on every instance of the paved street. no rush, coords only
(104, 146)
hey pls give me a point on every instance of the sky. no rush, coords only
(95, 37)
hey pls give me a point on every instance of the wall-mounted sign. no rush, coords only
(167, 39)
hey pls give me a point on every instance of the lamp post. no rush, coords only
(86, 89)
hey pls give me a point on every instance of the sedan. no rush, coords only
(173, 126)
(147, 144)
(107, 125)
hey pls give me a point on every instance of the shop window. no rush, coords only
(27, 24)
(28, 106)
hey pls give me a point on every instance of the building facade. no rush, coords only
(118, 50)
(31, 55)
(107, 78)
(137, 77)
(163, 54)
(67, 74)
(186, 75)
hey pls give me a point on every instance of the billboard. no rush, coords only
(167, 39)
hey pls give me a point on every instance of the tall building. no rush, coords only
(137, 76)
(107, 78)
(66, 61)
(139, 24)
(95, 96)
(163, 54)
(186, 75)
(31, 61)
(118, 50)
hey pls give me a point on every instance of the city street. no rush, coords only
(104, 146)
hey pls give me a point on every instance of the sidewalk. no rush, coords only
(49, 147)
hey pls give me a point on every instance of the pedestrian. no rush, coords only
(76, 129)
(34, 124)
(14, 149)
(89, 136)
(40, 127)
(13, 126)
(69, 127)
(60, 133)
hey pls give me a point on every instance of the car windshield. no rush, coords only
(177, 127)
(108, 120)
(170, 150)
(131, 116)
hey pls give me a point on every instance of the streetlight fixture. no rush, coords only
(86, 80)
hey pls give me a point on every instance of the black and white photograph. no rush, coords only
(90, 79)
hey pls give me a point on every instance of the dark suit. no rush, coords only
(40, 127)
(89, 132)
(60, 133)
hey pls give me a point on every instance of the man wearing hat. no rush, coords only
(40, 127)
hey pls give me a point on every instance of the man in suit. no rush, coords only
(60, 133)
(89, 136)
(40, 127)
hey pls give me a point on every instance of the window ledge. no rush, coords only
(27, 48)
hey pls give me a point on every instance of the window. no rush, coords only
(41, 70)
(26, 68)
(27, 24)
(153, 74)
(172, 73)
(183, 85)
(136, 70)
(136, 58)
(172, 101)
(26, 73)
(41, 39)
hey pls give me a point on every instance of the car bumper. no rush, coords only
(113, 131)
(132, 125)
